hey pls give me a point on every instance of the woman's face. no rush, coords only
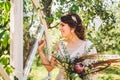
(65, 29)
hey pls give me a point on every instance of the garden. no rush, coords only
(101, 19)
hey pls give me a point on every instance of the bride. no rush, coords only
(73, 31)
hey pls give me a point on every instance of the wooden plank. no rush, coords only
(32, 55)
(3, 73)
(16, 37)
(42, 19)
(44, 23)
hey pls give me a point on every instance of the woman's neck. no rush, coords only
(73, 39)
(73, 44)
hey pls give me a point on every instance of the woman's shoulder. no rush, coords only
(88, 42)
(90, 47)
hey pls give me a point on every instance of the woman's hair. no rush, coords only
(74, 21)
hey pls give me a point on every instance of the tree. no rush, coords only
(105, 36)
(88, 10)
(4, 35)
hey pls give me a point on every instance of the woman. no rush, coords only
(74, 33)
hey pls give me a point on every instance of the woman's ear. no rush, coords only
(72, 30)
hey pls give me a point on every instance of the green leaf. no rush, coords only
(49, 19)
(74, 8)
(5, 40)
(119, 5)
(7, 6)
(1, 34)
(15, 78)
(58, 14)
(4, 59)
(9, 69)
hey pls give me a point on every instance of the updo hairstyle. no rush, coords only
(74, 21)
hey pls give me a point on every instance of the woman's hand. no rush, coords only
(48, 64)
(41, 45)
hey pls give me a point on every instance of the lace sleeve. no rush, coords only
(90, 49)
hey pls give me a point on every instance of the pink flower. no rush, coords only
(79, 67)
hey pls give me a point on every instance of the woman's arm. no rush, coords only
(48, 64)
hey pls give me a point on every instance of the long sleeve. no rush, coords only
(90, 49)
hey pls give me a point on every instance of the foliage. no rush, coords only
(77, 67)
(74, 68)
(31, 27)
(89, 10)
(108, 39)
(112, 71)
(106, 78)
(5, 35)
(105, 36)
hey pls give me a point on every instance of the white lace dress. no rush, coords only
(85, 47)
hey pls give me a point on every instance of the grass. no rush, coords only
(39, 73)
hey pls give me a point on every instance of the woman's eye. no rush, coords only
(61, 25)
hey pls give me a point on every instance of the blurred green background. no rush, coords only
(100, 17)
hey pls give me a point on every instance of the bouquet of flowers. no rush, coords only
(76, 68)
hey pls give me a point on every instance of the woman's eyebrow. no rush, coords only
(61, 24)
